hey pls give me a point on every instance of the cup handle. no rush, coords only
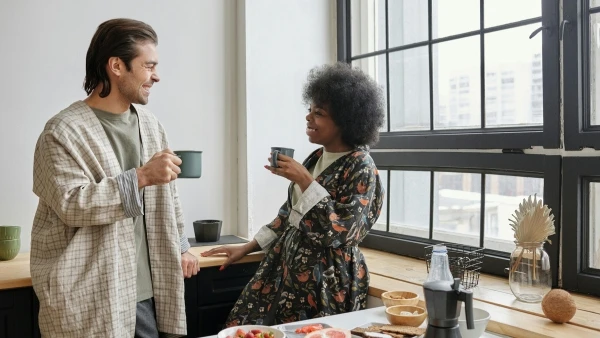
(274, 155)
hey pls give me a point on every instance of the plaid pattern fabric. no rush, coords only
(83, 263)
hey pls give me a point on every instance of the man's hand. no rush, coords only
(189, 264)
(162, 168)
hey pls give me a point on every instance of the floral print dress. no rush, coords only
(315, 268)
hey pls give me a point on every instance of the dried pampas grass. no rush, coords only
(532, 223)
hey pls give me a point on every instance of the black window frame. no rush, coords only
(495, 262)
(547, 135)
(579, 133)
(577, 276)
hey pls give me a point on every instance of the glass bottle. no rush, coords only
(530, 276)
(439, 267)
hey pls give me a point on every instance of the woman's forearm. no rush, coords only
(251, 247)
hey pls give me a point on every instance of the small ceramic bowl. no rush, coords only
(405, 315)
(9, 248)
(392, 298)
(480, 319)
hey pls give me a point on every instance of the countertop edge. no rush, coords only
(18, 276)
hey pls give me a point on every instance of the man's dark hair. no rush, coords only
(355, 101)
(114, 38)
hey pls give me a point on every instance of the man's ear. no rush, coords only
(115, 66)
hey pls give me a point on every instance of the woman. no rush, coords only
(312, 265)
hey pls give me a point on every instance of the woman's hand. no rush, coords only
(233, 252)
(292, 170)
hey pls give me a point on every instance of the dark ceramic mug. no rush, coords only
(275, 151)
(191, 163)
(207, 230)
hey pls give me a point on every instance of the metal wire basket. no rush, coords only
(465, 262)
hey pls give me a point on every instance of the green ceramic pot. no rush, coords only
(9, 248)
(10, 232)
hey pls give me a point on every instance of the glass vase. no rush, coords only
(530, 276)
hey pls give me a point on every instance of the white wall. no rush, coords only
(43, 59)
(231, 81)
(280, 48)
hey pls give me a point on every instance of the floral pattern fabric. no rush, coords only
(316, 269)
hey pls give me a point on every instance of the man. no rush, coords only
(108, 248)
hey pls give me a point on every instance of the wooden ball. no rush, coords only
(559, 306)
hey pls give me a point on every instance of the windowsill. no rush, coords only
(508, 316)
(459, 236)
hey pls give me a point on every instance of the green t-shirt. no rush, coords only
(123, 132)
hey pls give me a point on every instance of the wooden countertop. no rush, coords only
(15, 273)
(206, 262)
(393, 272)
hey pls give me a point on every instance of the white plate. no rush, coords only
(290, 329)
(230, 331)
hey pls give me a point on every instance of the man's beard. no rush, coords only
(131, 94)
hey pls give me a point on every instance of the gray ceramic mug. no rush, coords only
(191, 163)
(275, 151)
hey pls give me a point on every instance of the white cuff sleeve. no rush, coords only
(265, 237)
(310, 197)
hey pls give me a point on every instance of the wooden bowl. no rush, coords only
(394, 316)
(392, 298)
